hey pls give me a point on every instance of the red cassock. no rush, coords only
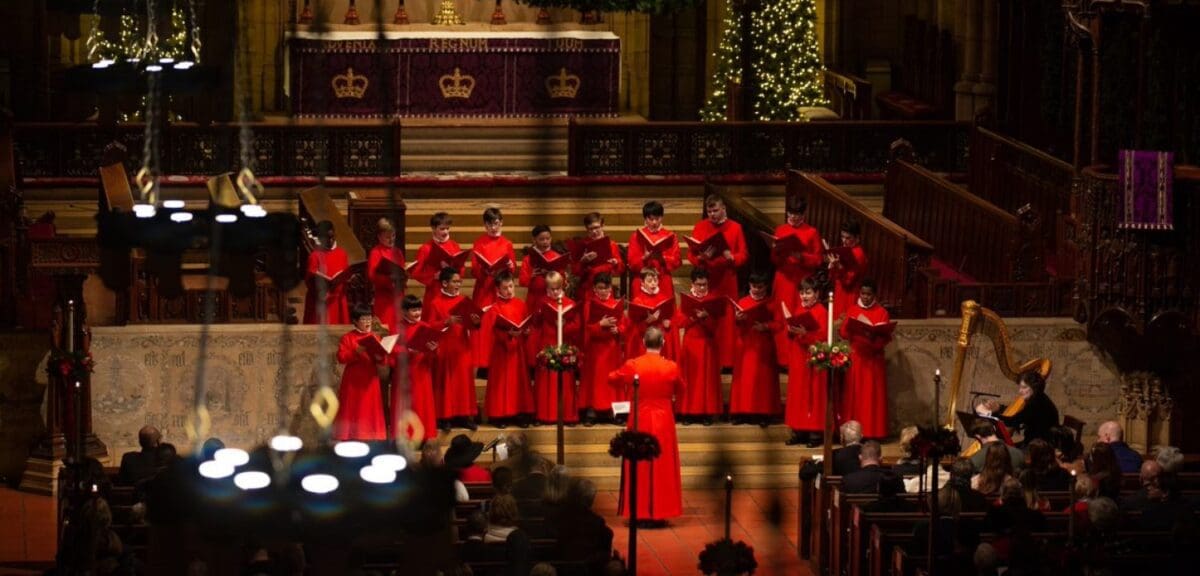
(640, 247)
(722, 275)
(535, 284)
(601, 355)
(700, 366)
(586, 271)
(791, 269)
(386, 288)
(660, 493)
(755, 388)
(492, 248)
(360, 400)
(420, 384)
(805, 410)
(847, 281)
(453, 371)
(864, 393)
(426, 272)
(545, 382)
(634, 346)
(508, 392)
(330, 263)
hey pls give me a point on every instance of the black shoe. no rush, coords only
(764, 423)
(708, 421)
(444, 426)
(796, 438)
(524, 420)
(620, 420)
(500, 425)
(815, 440)
(470, 424)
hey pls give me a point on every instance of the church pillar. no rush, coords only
(985, 89)
(966, 31)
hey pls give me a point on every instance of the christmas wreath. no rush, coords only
(559, 358)
(74, 366)
(828, 356)
(634, 446)
(726, 557)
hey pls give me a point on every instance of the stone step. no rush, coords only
(482, 147)
(484, 162)
(547, 129)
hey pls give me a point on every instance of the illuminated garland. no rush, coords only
(131, 41)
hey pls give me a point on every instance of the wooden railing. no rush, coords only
(971, 235)
(849, 95)
(895, 256)
(614, 147)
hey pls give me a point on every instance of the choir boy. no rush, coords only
(427, 271)
(328, 267)
(508, 393)
(864, 393)
(805, 408)
(491, 254)
(385, 269)
(754, 395)
(722, 267)
(604, 323)
(651, 306)
(653, 246)
(537, 262)
(591, 259)
(797, 254)
(699, 363)
(545, 386)
(453, 371)
(360, 416)
(847, 267)
(420, 372)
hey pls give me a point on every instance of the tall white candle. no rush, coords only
(830, 318)
(560, 316)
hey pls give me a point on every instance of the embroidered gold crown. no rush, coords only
(562, 85)
(349, 85)
(458, 85)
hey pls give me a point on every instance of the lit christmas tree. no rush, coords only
(787, 68)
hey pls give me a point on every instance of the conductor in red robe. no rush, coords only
(846, 274)
(791, 265)
(508, 393)
(650, 295)
(653, 246)
(420, 375)
(325, 276)
(864, 393)
(754, 394)
(805, 407)
(360, 399)
(660, 494)
(545, 383)
(491, 254)
(699, 364)
(453, 371)
(722, 268)
(589, 263)
(533, 277)
(426, 270)
(385, 269)
(601, 350)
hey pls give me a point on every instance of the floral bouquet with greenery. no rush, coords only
(828, 356)
(634, 446)
(74, 366)
(724, 556)
(559, 358)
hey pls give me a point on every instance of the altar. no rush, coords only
(427, 71)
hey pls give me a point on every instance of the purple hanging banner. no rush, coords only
(1147, 179)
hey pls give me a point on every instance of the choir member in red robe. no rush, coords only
(601, 351)
(325, 275)
(864, 392)
(722, 268)
(360, 398)
(419, 396)
(805, 408)
(699, 363)
(655, 247)
(545, 383)
(589, 264)
(847, 276)
(492, 247)
(508, 393)
(754, 395)
(426, 270)
(453, 371)
(385, 269)
(793, 266)
(651, 295)
(659, 483)
(533, 277)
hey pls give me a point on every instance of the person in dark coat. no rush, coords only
(1129, 460)
(141, 465)
(865, 480)
(845, 459)
(1037, 417)
(891, 486)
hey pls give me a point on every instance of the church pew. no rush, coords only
(894, 254)
(849, 95)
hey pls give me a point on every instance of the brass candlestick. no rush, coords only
(401, 16)
(447, 14)
(543, 16)
(306, 15)
(498, 15)
(351, 15)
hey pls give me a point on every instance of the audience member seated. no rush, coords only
(908, 464)
(1161, 504)
(957, 537)
(997, 467)
(557, 485)
(890, 488)
(987, 563)
(140, 465)
(583, 536)
(258, 560)
(920, 483)
(90, 546)
(503, 519)
(845, 459)
(1013, 521)
(969, 500)
(1048, 475)
(865, 480)
(1081, 495)
(1029, 488)
(502, 480)
(1170, 458)
(520, 457)
(472, 547)
(431, 457)
(460, 457)
(1110, 433)
(1106, 473)
(543, 569)
(1067, 450)
(985, 432)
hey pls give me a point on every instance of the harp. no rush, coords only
(977, 320)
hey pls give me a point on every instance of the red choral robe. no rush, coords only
(360, 400)
(420, 385)
(586, 271)
(699, 365)
(634, 346)
(386, 289)
(601, 355)
(722, 275)
(847, 281)
(639, 248)
(327, 262)
(660, 493)
(805, 408)
(508, 393)
(790, 270)
(453, 372)
(864, 393)
(492, 247)
(535, 284)
(545, 382)
(755, 387)
(426, 272)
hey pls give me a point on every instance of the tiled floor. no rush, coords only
(27, 531)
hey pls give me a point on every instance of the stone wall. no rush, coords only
(22, 389)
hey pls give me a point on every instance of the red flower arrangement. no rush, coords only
(559, 358)
(634, 446)
(828, 356)
(725, 556)
(74, 366)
